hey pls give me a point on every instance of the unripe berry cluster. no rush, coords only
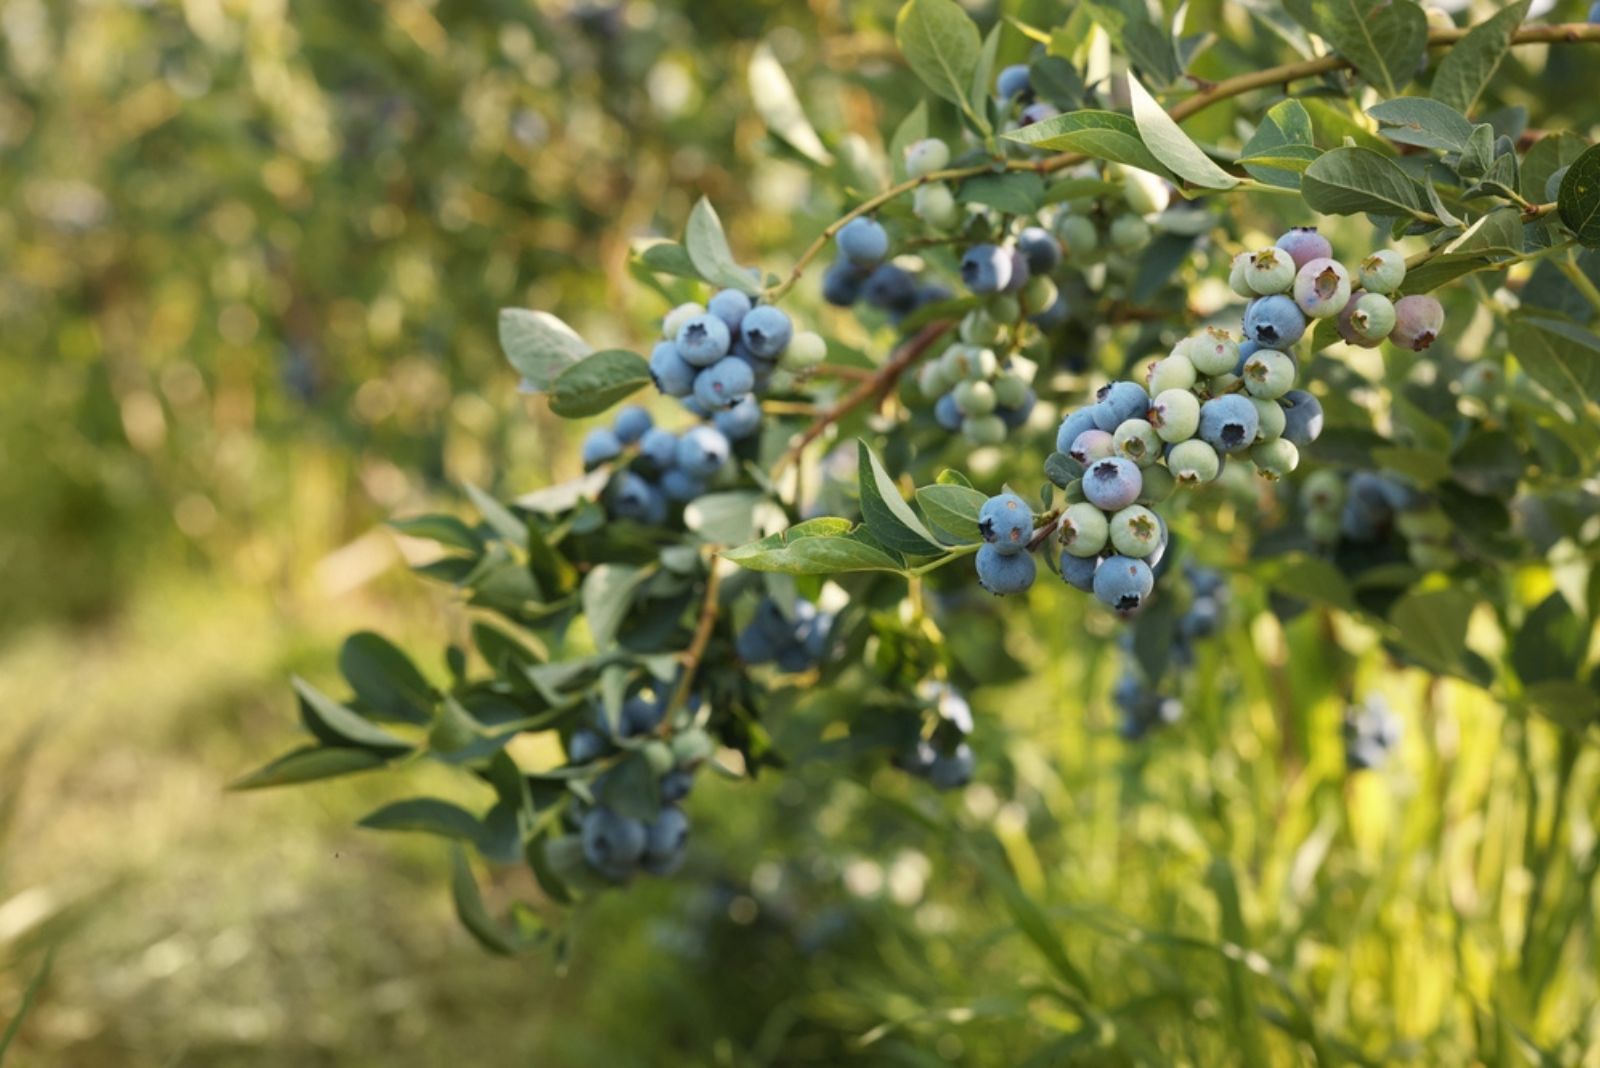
(942, 756)
(976, 393)
(1371, 734)
(794, 644)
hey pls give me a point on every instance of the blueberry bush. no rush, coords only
(1272, 380)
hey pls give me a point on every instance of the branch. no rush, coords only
(873, 389)
(703, 627)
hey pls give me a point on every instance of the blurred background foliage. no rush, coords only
(253, 252)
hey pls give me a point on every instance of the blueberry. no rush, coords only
(1079, 571)
(1119, 402)
(1302, 417)
(731, 306)
(1269, 271)
(1212, 353)
(1078, 235)
(1322, 288)
(659, 447)
(677, 317)
(673, 375)
(1129, 233)
(950, 771)
(1193, 462)
(935, 205)
(1275, 459)
(1175, 372)
(1275, 321)
(1040, 248)
(704, 340)
(1037, 112)
(813, 635)
(1016, 416)
(754, 646)
(1229, 423)
(1053, 315)
(634, 498)
(702, 451)
(1272, 421)
(1083, 530)
(666, 840)
(1092, 445)
(841, 284)
(1112, 483)
(863, 241)
(1268, 374)
(986, 268)
(1417, 322)
(641, 714)
(586, 744)
(681, 487)
(1006, 522)
(1238, 277)
(1304, 244)
(805, 351)
(1175, 414)
(1594, 13)
(1074, 424)
(600, 445)
(631, 423)
(975, 398)
(892, 289)
(724, 384)
(739, 421)
(1137, 441)
(925, 157)
(766, 332)
(1001, 573)
(612, 844)
(947, 413)
(1136, 532)
(1013, 82)
(984, 429)
(675, 785)
(1124, 584)
(1383, 271)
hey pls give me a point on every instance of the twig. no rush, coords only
(839, 370)
(709, 608)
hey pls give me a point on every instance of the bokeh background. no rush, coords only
(252, 253)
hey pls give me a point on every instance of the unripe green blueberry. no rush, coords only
(926, 156)
(692, 746)
(1323, 492)
(1173, 372)
(1269, 374)
(1372, 317)
(931, 380)
(975, 398)
(1482, 379)
(1145, 193)
(1129, 233)
(1213, 352)
(1271, 270)
(979, 328)
(1383, 271)
(1135, 531)
(1322, 527)
(982, 364)
(658, 755)
(956, 362)
(1193, 462)
(1271, 418)
(1238, 278)
(1175, 414)
(1010, 389)
(1039, 293)
(1157, 486)
(1138, 441)
(1078, 236)
(678, 317)
(1275, 459)
(1005, 308)
(1083, 530)
(935, 205)
(782, 381)
(984, 429)
(806, 350)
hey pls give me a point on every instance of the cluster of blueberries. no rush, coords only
(863, 273)
(669, 469)
(944, 758)
(1018, 104)
(1365, 507)
(794, 644)
(618, 846)
(716, 358)
(976, 393)
(1143, 708)
(1371, 734)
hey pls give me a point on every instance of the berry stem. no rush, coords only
(937, 562)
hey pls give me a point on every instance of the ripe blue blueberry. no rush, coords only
(1302, 417)
(1124, 584)
(1019, 273)
(986, 268)
(947, 413)
(1229, 423)
(702, 451)
(731, 306)
(1304, 244)
(634, 498)
(660, 447)
(673, 375)
(766, 332)
(612, 844)
(1013, 82)
(1275, 322)
(680, 486)
(1121, 401)
(1113, 483)
(950, 771)
(1079, 571)
(666, 840)
(1074, 424)
(1016, 416)
(1001, 573)
(754, 646)
(1037, 112)
(1054, 315)
(675, 785)
(631, 423)
(641, 714)
(724, 383)
(1040, 248)
(600, 445)
(739, 421)
(841, 284)
(704, 340)
(1006, 522)
(863, 241)
(586, 744)
(891, 288)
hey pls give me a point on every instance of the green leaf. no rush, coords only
(824, 546)
(30, 994)
(630, 789)
(607, 595)
(951, 477)
(502, 520)
(385, 679)
(455, 728)
(1432, 626)
(775, 101)
(310, 764)
(1561, 357)
(708, 250)
(330, 720)
(888, 516)
(539, 345)
(1101, 134)
(1384, 41)
(1016, 192)
(941, 45)
(1471, 62)
(1550, 644)
(952, 509)
(1282, 146)
(1423, 466)
(983, 71)
(447, 530)
(1548, 155)
(912, 128)
(1579, 198)
(668, 257)
(565, 496)
(1309, 578)
(1148, 47)
(597, 382)
(1349, 181)
(1416, 120)
(469, 908)
(732, 517)
(427, 814)
(1168, 143)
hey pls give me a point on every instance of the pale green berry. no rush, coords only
(1269, 374)
(1323, 492)
(1213, 352)
(979, 328)
(1217, 385)
(1083, 530)
(1157, 484)
(935, 205)
(1145, 193)
(982, 365)
(1372, 317)
(984, 429)
(1175, 414)
(926, 156)
(975, 398)
(1270, 270)
(1322, 527)
(678, 317)
(1138, 441)
(1173, 372)
(1238, 280)
(1039, 293)
(1383, 271)
(1135, 531)
(1193, 462)
(956, 362)
(1005, 308)
(1010, 389)
(1275, 459)
(931, 380)
(782, 381)
(1129, 233)
(1271, 419)
(658, 755)
(1078, 236)
(1482, 379)
(806, 350)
